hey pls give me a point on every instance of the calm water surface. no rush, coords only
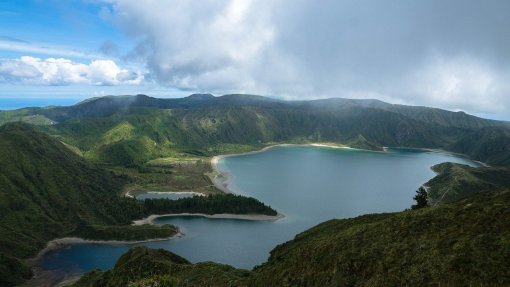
(307, 184)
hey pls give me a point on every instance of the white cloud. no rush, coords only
(211, 45)
(25, 47)
(59, 71)
(461, 82)
(436, 53)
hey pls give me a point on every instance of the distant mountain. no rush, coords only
(104, 106)
(130, 130)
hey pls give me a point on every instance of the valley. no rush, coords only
(76, 172)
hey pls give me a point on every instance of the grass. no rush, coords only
(169, 174)
(459, 244)
(457, 181)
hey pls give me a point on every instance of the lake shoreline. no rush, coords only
(45, 277)
(221, 179)
(59, 243)
(132, 194)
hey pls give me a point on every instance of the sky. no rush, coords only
(452, 54)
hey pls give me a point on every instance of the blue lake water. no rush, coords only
(307, 184)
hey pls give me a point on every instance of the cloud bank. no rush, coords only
(454, 54)
(52, 71)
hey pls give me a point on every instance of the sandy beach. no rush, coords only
(133, 195)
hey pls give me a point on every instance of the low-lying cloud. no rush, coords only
(453, 54)
(59, 71)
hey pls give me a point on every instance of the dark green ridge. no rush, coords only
(489, 144)
(130, 130)
(457, 181)
(466, 243)
(460, 244)
(47, 191)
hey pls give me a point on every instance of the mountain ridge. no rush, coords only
(141, 128)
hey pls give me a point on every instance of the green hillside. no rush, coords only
(458, 244)
(457, 181)
(488, 144)
(47, 191)
(131, 130)
(52, 186)
(141, 266)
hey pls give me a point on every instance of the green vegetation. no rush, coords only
(489, 144)
(420, 198)
(456, 181)
(130, 131)
(211, 204)
(12, 271)
(52, 186)
(460, 244)
(141, 266)
(182, 173)
(47, 191)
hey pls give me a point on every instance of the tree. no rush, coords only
(421, 198)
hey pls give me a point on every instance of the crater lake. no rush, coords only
(308, 185)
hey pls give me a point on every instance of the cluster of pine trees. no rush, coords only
(211, 204)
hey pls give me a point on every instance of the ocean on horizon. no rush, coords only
(18, 103)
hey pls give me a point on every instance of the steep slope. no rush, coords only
(130, 130)
(132, 137)
(47, 191)
(459, 244)
(457, 181)
(451, 245)
(489, 144)
(443, 117)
